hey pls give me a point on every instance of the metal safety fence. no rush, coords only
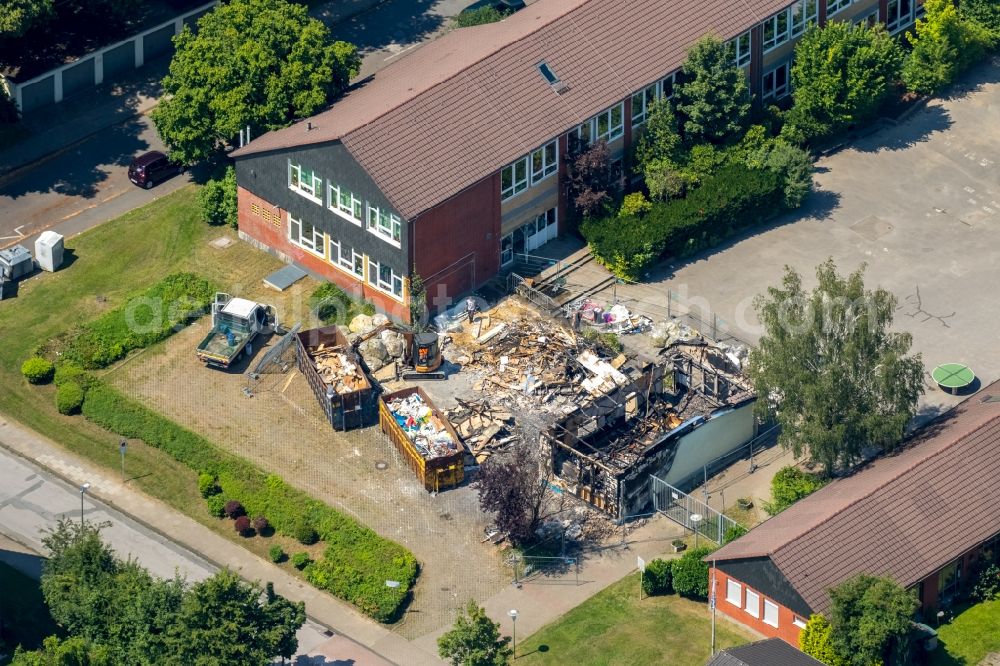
(690, 512)
(544, 568)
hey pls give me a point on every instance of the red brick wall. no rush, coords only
(785, 630)
(267, 226)
(455, 246)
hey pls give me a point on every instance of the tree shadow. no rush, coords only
(320, 660)
(974, 80)
(890, 134)
(390, 22)
(818, 206)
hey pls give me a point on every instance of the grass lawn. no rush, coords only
(110, 262)
(25, 617)
(974, 633)
(614, 627)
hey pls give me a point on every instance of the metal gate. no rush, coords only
(678, 506)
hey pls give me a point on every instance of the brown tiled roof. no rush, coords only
(905, 515)
(460, 107)
(770, 652)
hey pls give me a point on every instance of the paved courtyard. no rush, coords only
(919, 202)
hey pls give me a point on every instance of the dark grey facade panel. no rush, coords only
(119, 59)
(158, 42)
(266, 175)
(762, 575)
(78, 77)
(38, 94)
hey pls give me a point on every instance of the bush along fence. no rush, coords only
(143, 319)
(357, 562)
(735, 198)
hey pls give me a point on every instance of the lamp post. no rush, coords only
(513, 618)
(695, 519)
(83, 490)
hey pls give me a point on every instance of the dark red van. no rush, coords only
(151, 168)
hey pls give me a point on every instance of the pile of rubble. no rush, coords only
(483, 428)
(337, 370)
(423, 427)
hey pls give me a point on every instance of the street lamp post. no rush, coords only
(83, 490)
(695, 519)
(513, 618)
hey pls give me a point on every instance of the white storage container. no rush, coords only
(49, 251)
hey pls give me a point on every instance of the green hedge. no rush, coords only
(357, 561)
(734, 198)
(38, 370)
(145, 318)
(69, 398)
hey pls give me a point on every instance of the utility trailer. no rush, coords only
(424, 437)
(236, 322)
(338, 377)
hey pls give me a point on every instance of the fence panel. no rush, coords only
(679, 507)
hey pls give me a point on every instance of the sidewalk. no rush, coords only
(320, 606)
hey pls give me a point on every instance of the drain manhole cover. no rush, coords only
(381, 465)
(444, 516)
(446, 589)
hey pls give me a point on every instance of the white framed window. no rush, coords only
(752, 605)
(347, 259)
(740, 47)
(544, 162)
(610, 124)
(870, 19)
(667, 86)
(734, 593)
(580, 137)
(306, 236)
(776, 30)
(774, 83)
(305, 182)
(641, 102)
(798, 622)
(385, 279)
(834, 6)
(770, 613)
(343, 202)
(901, 13)
(514, 178)
(804, 14)
(385, 225)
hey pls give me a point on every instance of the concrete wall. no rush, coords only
(100, 66)
(721, 434)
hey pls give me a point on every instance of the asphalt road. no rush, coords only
(81, 187)
(32, 500)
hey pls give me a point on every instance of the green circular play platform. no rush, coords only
(953, 377)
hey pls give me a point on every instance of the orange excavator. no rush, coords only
(421, 351)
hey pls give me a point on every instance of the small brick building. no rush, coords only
(928, 516)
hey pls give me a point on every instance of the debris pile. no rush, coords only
(483, 429)
(337, 370)
(422, 426)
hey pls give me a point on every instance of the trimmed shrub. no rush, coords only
(71, 372)
(207, 485)
(143, 319)
(216, 505)
(303, 532)
(690, 574)
(242, 526)
(333, 305)
(658, 578)
(733, 533)
(217, 199)
(734, 198)
(301, 560)
(234, 509)
(261, 525)
(38, 370)
(69, 398)
(480, 16)
(276, 553)
(788, 486)
(987, 585)
(362, 559)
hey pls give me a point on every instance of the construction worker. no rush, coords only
(470, 308)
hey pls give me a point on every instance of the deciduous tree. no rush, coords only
(17, 16)
(260, 63)
(474, 640)
(842, 74)
(984, 12)
(591, 179)
(944, 45)
(72, 651)
(713, 102)
(217, 199)
(816, 642)
(871, 620)
(510, 490)
(829, 368)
